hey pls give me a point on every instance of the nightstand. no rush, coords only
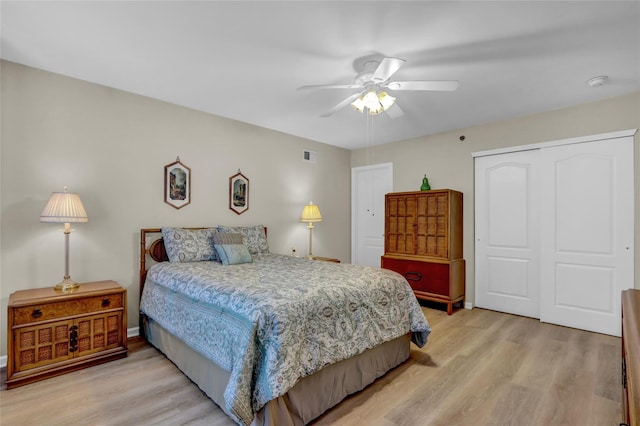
(326, 259)
(51, 332)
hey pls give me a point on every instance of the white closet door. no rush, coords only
(507, 266)
(586, 238)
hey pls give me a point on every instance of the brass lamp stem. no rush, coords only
(310, 226)
(67, 284)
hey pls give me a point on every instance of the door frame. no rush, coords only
(559, 142)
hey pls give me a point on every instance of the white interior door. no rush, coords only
(506, 247)
(587, 233)
(369, 184)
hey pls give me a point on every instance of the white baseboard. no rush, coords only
(131, 332)
(468, 305)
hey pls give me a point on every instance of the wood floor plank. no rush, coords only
(474, 402)
(479, 368)
(515, 404)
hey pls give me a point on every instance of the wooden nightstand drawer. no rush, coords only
(52, 311)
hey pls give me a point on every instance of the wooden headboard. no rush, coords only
(155, 250)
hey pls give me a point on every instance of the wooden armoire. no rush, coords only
(423, 242)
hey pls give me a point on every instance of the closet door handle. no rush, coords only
(413, 276)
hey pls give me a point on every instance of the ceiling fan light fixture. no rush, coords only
(358, 104)
(375, 111)
(386, 100)
(371, 100)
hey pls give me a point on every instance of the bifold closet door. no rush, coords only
(587, 231)
(507, 266)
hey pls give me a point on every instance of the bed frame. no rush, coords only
(305, 401)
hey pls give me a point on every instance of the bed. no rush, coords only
(271, 339)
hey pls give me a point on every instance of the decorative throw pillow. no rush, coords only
(233, 254)
(230, 238)
(253, 237)
(189, 245)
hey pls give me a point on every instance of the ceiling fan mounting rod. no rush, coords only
(371, 87)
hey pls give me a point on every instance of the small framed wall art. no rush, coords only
(239, 193)
(177, 184)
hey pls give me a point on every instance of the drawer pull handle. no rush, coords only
(37, 313)
(413, 276)
(105, 302)
(73, 339)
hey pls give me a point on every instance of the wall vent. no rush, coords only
(309, 156)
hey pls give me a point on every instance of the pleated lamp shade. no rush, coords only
(64, 207)
(311, 213)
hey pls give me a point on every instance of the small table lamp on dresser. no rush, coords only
(65, 207)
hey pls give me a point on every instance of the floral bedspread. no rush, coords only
(278, 319)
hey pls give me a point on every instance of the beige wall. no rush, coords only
(448, 163)
(111, 147)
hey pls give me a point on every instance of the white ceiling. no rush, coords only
(244, 60)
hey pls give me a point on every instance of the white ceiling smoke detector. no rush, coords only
(597, 81)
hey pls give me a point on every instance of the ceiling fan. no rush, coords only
(371, 83)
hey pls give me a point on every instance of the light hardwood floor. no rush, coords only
(479, 368)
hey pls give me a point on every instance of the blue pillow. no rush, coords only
(233, 254)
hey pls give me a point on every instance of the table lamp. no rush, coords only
(310, 214)
(65, 207)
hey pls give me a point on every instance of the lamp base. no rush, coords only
(67, 285)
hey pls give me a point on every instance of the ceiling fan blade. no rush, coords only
(342, 104)
(331, 86)
(395, 111)
(386, 69)
(445, 85)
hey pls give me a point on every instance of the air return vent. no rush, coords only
(309, 156)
